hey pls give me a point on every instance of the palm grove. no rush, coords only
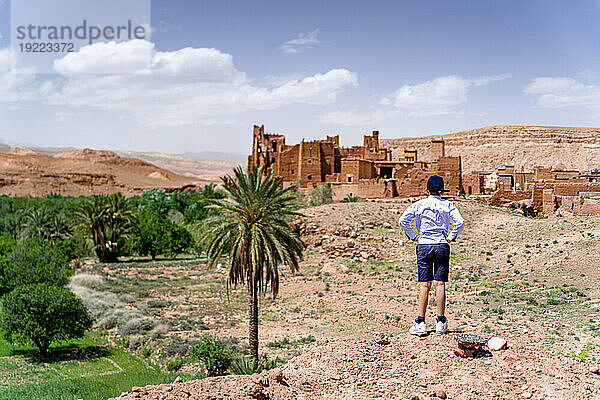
(245, 224)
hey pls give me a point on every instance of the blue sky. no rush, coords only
(311, 68)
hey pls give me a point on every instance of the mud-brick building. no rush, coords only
(367, 171)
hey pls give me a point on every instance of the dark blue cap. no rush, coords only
(435, 184)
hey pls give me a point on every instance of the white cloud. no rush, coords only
(183, 87)
(484, 80)
(559, 92)
(302, 42)
(440, 96)
(16, 84)
(107, 58)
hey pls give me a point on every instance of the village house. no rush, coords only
(367, 171)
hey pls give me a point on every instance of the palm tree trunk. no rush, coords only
(253, 314)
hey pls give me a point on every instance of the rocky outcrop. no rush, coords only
(20, 151)
(88, 155)
(523, 146)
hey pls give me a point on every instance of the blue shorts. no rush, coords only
(433, 262)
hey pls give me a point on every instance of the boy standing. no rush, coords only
(432, 217)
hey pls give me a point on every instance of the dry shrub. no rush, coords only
(107, 308)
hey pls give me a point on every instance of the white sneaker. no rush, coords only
(441, 327)
(418, 329)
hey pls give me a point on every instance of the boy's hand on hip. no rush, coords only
(448, 240)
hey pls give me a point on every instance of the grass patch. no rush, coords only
(82, 369)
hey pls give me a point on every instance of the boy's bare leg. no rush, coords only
(440, 297)
(423, 297)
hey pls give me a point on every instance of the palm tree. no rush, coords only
(46, 224)
(107, 218)
(37, 222)
(251, 226)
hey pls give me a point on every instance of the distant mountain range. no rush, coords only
(205, 166)
(39, 171)
(25, 172)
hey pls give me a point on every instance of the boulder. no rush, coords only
(496, 343)
(381, 338)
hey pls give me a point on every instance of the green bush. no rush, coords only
(177, 347)
(174, 364)
(215, 354)
(42, 314)
(322, 194)
(73, 248)
(7, 244)
(246, 366)
(147, 350)
(351, 199)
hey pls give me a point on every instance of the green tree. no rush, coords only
(193, 204)
(34, 261)
(251, 227)
(156, 235)
(43, 314)
(322, 194)
(156, 201)
(107, 218)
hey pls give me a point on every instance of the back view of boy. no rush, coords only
(432, 217)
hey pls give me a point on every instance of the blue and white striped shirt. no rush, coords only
(432, 217)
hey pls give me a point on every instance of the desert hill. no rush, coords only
(207, 166)
(20, 151)
(24, 172)
(523, 146)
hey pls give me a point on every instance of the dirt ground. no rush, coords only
(533, 281)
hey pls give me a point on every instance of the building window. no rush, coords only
(274, 146)
(349, 177)
(292, 172)
(309, 177)
(308, 161)
(273, 160)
